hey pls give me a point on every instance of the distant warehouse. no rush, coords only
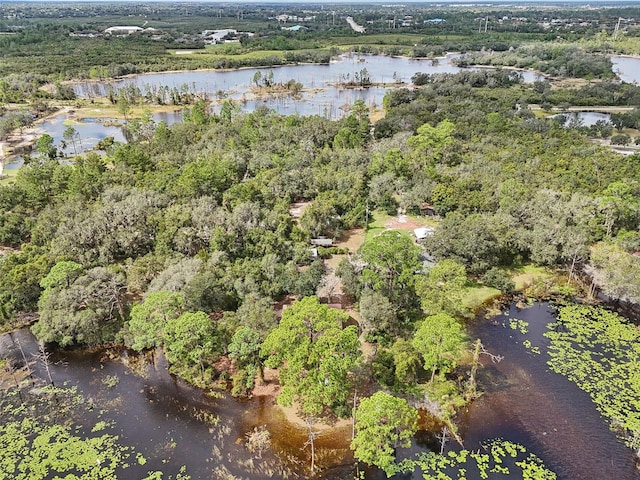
(122, 30)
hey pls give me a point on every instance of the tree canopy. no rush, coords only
(315, 355)
(383, 424)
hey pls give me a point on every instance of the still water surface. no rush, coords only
(322, 95)
(527, 403)
(524, 402)
(627, 68)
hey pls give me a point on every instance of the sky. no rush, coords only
(284, 2)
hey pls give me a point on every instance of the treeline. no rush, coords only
(512, 187)
(50, 51)
(173, 207)
(558, 60)
(47, 53)
(499, 176)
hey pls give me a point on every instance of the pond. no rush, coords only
(89, 131)
(171, 424)
(627, 68)
(583, 119)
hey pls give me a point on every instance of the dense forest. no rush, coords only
(182, 238)
(185, 240)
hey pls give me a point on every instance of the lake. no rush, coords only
(627, 68)
(322, 95)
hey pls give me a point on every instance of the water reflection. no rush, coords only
(322, 96)
(583, 119)
(627, 68)
(170, 422)
(173, 424)
(529, 404)
(89, 132)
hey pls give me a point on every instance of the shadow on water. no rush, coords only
(527, 403)
(173, 424)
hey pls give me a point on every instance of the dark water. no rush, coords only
(527, 403)
(169, 421)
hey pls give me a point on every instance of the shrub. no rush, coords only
(499, 279)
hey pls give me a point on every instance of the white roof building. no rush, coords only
(122, 30)
(423, 232)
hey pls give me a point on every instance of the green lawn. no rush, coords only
(378, 223)
(476, 295)
(8, 176)
(526, 275)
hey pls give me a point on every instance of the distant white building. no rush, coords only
(294, 18)
(122, 30)
(227, 35)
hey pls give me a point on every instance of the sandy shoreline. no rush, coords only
(270, 388)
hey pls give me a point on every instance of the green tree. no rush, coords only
(148, 319)
(124, 106)
(315, 356)
(620, 208)
(383, 424)
(430, 144)
(191, 342)
(616, 271)
(62, 275)
(391, 260)
(258, 314)
(45, 147)
(88, 312)
(244, 350)
(21, 274)
(70, 134)
(406, 361)
(469, 240)
(320, 217)
(441, 288)
(377, 314)
(439, 340)
(87, 176)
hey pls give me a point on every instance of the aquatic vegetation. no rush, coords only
(599, 351)
(496, 458)
(52, 432)
(520, 325)
(110, 381)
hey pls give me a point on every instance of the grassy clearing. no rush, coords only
(376, 224)
(381, 221)
(213, 55)
(525, 276)
(106, 110)
(477, 295)
(8, 177)
(378, 39)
